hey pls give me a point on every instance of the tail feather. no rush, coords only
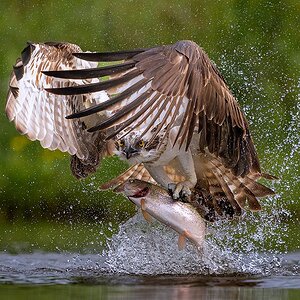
(173, 173)
(252, 201)
(239, 187)
(221, 203)
(256, 188)
(224, 194)
(241, 198)
(240, 192)
(268, 176)
(223, 186)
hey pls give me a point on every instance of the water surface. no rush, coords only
(74, 276)
(142, 261)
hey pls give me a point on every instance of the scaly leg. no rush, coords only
(158, 174)
(183, 189)
(180, 189)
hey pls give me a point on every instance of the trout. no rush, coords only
(156, 202)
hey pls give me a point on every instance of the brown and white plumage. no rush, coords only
(185, 88)
(41, 115)
(173, 97)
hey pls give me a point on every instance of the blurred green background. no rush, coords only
(255, 44)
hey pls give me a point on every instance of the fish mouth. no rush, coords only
(141, 193)
(137, 188)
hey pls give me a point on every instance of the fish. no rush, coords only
(156, 202)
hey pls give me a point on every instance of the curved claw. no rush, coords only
(180, 191)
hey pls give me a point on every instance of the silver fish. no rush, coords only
(156, 202)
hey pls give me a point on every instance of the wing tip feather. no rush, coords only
(26, 53)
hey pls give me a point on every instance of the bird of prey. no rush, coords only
(166, 110)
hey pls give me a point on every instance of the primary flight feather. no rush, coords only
(166, 110)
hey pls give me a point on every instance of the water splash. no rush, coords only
(141, 248)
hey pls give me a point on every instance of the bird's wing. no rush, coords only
(158, 88)
(41, 115)
(138, 171)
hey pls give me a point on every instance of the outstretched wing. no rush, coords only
(158, 88)
(41, 115)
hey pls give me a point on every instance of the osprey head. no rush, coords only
(134, 148)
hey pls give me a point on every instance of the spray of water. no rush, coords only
(142, 248)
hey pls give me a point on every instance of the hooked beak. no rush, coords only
(129, 152)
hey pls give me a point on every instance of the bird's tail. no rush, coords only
(228, 194)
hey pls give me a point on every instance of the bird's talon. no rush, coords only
(179, 191)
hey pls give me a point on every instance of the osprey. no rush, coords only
(166, 110)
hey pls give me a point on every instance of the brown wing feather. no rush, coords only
(41, 115)
(184, 87)
(205, 102)
(137, 171)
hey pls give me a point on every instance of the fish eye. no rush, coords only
(141, 143)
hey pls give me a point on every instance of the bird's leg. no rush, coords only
(182, 190)
(158, 174)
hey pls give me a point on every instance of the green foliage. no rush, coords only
(254, 44)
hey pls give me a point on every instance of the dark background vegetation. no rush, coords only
(255, 44)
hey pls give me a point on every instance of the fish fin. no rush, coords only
(182, 240)
(143, 204)
(146, 215)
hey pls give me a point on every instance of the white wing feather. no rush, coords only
(41, 115)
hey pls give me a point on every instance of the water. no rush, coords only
(142, 261)
(73, 276)
(93, 269)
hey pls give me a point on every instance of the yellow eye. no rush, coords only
(141, 143)
(121, 143)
